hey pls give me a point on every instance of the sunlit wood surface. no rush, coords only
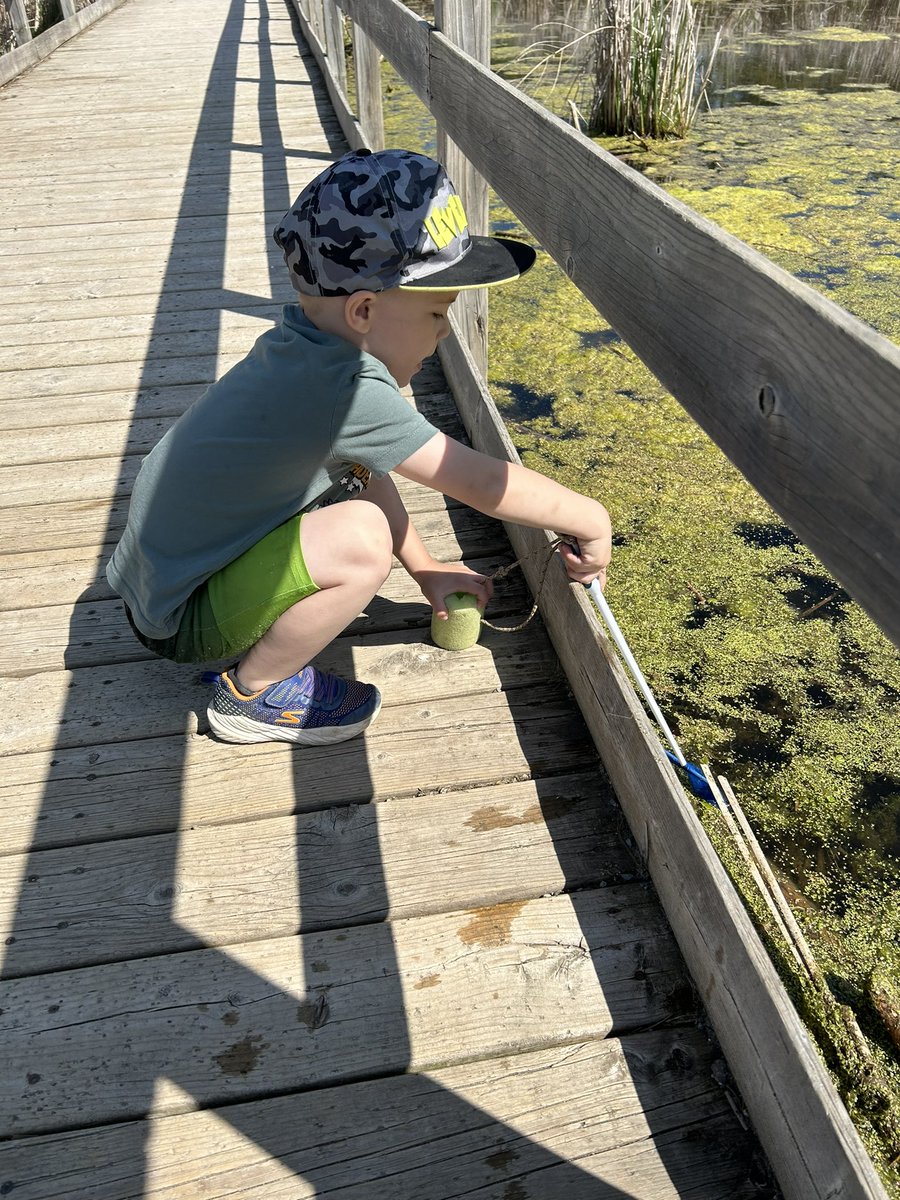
(425, 963)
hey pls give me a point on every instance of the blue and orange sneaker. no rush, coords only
(311, 708)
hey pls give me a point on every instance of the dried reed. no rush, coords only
(646, 68)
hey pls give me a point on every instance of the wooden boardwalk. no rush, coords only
(422, 964)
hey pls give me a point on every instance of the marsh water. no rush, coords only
(763, 662)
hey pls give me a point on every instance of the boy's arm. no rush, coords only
(512, 492)
(436, 579)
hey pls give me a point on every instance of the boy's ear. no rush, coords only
(358, 311)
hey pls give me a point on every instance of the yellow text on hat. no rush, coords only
(444, 224)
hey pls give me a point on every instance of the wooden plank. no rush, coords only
(801, 1122)
(95, 632)
(367, 65)
(93, 523)
(142, 322)
(334, 46)
(137, 897)
(99, 472)
(768, 378)
(106, 437)
(583, 1121)
(250, 276)
(104, 433)
(73, 796)
(340, 1004)
(468, 26)
(18, 18)
(91, 408)
(239, 331)
(134, 313)
(28, 55)
(64, 381)
(251, 196)
(94, 703)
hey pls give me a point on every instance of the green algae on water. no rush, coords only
(842, 33)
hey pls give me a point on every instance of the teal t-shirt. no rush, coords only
(300, 422)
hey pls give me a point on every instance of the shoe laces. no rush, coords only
(325, 688)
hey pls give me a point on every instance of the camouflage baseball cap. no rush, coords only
(389, 219)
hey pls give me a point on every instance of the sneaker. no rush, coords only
(311, 708)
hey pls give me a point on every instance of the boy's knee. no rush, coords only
(373, 545)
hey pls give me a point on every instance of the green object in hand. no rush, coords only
(463, 625)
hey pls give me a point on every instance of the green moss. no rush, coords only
(842, 33)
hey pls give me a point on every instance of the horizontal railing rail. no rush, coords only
(801, 396)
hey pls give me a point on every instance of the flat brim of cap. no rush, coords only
(490, 261)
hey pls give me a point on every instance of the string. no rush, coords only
(551, 552)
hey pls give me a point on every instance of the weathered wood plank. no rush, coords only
(367, 65)
(96, 632)
(237, 331)
(95, 705)
(141, 896)
(81, 282)
(113, 225)
(584, 1121)
(87, 466)
(802, 1124)
(21, 414)
(106, 438)
(73, 796)
(108, 405)
(60, 382)
(468, 26)
(92, 523)
(335, 1005)
(18, 17)
(141, 322)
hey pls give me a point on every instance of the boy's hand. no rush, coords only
(586, 561)
(439, 580)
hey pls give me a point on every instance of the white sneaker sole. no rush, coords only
(229, 728)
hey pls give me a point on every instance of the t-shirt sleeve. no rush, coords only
(377, 427)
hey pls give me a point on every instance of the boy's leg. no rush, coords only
(348, 551)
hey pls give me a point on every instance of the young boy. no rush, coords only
(236, 544)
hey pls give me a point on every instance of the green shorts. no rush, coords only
(231, 611)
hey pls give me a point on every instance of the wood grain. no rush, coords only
(624, 1109)
(323, 1007)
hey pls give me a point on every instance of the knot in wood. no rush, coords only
(767, 400)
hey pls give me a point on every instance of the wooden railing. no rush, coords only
(802, 397)
(757, 358)
(31, 50)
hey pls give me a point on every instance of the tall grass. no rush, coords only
(647, 78)
(640, 56)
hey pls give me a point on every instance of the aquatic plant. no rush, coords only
(646, 68)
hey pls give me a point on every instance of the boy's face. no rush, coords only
(404, 328)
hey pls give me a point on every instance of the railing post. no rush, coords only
(317, 18)
(67, 8)
(334, 43)
(367, 62)
(467, 23)
(18, 18)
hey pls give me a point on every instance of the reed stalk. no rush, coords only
(646, 68)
